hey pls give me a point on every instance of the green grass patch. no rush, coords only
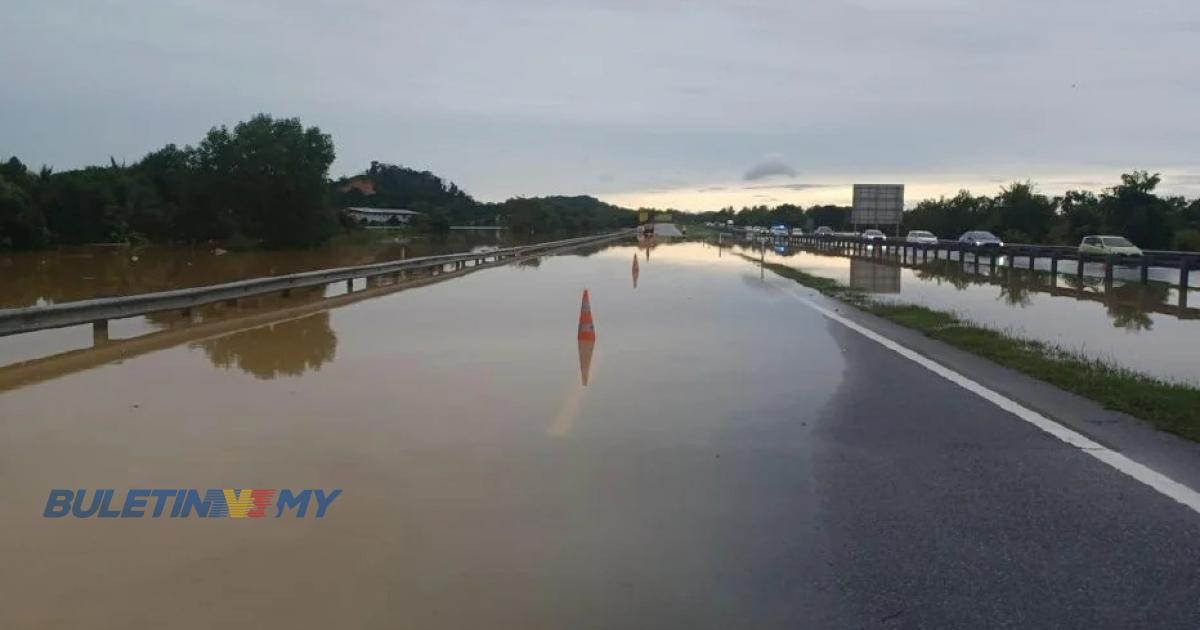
(1171, 407)
(697, 230)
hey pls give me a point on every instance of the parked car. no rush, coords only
(824, 230)
(980, 238)
(874, 235)
(797, 232)
(779, 230)
(922, 237)
(1108, 245)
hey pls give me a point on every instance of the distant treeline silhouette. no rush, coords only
(1019, 214)
(444, 204)
(265, 182)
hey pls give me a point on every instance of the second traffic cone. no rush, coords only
(587, 330)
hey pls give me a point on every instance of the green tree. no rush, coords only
(1080, 215)
(22, 225)
(1134, 211)
(270, 175)
(1020, 214)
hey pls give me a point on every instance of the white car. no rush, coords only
(779, 230)
(921, 237)
(874, 235)
(797, 232)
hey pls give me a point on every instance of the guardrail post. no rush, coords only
(1145, 271)
(1054, 263)
(99, 332)
(1185, 265)
(1012, 261)
(1032, 259)
(1108, 270)
(350, 285)
(1079, 267)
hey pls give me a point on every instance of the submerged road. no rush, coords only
(737, 459)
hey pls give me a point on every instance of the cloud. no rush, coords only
(712, 189)
(770, 166)
(787, 186)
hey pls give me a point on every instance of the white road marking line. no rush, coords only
(1161, 483)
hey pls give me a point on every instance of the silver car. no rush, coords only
(874, 235)
(921, 237)
(980, 238)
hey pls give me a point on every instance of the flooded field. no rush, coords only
(82, 272)
(1147, 328)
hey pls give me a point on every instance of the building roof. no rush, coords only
(388, 211)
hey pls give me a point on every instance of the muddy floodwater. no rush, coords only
(1147, 328)
(91, 271)
(484, 485)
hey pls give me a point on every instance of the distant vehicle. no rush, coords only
(980, 238)
(779, 230)
(1108, 245)
(797, 232)
(824, 230)
(922, 237)
(874, 235)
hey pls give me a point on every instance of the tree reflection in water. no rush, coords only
(1128, 304)
(288, 348)
(1018, 286)
(948, 271)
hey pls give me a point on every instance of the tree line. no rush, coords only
(263, 182)
(1020, 214)
(791, 215)
(443, 204)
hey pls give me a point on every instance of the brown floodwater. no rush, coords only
(81, 272)
(484, 484)
(1147, 328)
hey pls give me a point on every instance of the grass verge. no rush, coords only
(1171, 407)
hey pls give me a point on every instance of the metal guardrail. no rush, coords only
(1183, 261)
(98, 311)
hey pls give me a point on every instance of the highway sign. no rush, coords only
(877, 204)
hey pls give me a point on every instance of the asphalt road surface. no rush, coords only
(666, 229)
(737, 460)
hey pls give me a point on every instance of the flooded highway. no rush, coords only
(1140, 327)
(716, 454)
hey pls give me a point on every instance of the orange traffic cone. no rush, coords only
(587, 330)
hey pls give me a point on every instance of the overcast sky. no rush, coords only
(670, 103)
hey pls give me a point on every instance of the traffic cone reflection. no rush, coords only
(585, 359)
(635, 270)
(586, 337)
